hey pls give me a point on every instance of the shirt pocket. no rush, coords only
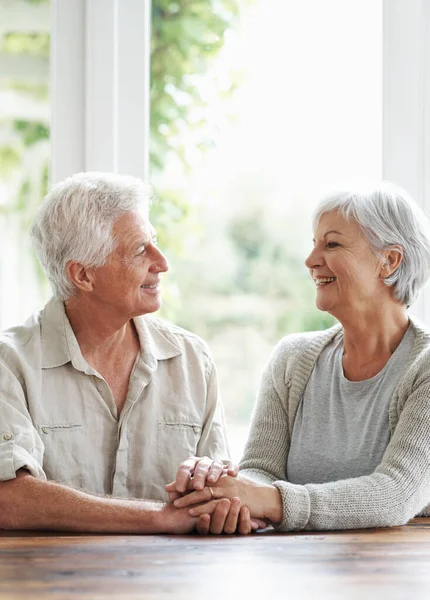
(176, 441)
(65, 451)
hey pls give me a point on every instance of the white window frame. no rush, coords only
(406, 106)
(100, 86)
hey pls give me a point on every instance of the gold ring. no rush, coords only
(211, 491)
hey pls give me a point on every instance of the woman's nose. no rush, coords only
(314, 259)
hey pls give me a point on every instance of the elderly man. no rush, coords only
(100, 402)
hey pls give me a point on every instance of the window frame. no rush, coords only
(100, 109)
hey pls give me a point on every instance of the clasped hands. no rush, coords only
(221, 499)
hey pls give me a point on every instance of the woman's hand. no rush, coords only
(263, 501)
(194, 473)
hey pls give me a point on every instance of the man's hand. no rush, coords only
(198, 472)
(178, 521)
(228, 516)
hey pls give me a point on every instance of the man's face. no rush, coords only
(129, 282)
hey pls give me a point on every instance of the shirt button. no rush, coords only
(7, 436)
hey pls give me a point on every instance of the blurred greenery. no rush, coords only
(186, 39)
(235, 277)
(26, 43)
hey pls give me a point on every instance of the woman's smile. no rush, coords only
(323, 281)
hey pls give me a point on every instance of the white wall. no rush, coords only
(406, 105)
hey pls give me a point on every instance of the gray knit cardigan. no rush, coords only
(396, 491)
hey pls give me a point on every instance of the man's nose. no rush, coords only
(160, 264)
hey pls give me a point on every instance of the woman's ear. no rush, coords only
(82, 277)
(392, 258)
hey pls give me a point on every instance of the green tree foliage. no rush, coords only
(186, 38)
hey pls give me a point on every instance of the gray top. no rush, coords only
(399, 487)
(341, 428)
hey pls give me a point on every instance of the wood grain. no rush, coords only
(375, 564)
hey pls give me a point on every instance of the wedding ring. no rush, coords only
(211, 491)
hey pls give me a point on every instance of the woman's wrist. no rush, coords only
(272, 500)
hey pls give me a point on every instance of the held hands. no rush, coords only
(198, 472)
(222, 513)
(228, 517)
(251, 494)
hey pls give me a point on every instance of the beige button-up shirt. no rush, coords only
(59, 420)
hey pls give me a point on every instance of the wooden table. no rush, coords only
(382, 564)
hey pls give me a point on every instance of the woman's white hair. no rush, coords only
(75, 222)
(388, 217)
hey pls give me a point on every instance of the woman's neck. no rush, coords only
(370, 339)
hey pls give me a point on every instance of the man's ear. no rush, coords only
(392, 258)
(82, 277)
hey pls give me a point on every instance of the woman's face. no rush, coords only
(346, 272)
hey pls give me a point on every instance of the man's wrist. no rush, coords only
(160, 521)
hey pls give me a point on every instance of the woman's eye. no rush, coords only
(332, 244)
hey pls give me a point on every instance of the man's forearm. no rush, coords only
(30, 503)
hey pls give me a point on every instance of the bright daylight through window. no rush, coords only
(24, 150)
(256, 107)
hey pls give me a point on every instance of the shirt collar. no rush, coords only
(156, 341)
(60, 346)
(55, 334)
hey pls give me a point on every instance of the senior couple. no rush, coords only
(111, 420)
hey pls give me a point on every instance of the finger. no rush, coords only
(170, 487)
(185, 471)
(219, 516)
(244, 521)
(203, 524)
(206, 508)
(193, 498)
(173, 496)
(215, 471)
(232, 469)
(201, 471)
(258, 524)
(231, 521)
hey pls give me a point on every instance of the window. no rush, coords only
(276, 104)
(24, 150)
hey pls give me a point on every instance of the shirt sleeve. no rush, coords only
(20, 444)
(213, 439)
(394, 493)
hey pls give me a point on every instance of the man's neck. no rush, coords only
(97, 332)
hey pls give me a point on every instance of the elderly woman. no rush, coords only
(340, 437)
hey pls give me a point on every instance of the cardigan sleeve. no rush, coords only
(268, 443)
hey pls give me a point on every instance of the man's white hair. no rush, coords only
(388, 216)
(75, 222)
